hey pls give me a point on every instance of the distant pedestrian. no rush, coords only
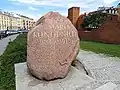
(6, 32)
(0, 36)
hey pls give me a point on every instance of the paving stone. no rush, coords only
(117, 88)
(92, 60)
(92, 85)
(107, 73)
(100, 66)
(107, 86)
(74, 80)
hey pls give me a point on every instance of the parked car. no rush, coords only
(3, 34)
(22, 31)
(11, 32)
(0, 36)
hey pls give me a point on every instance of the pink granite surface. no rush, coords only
(52, 46)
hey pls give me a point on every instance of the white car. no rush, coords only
(10, 32)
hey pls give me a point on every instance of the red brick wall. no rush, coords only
(109, 32)
(73, 14)
(89, 35)
(80, 21)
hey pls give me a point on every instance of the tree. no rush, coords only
(94, 20)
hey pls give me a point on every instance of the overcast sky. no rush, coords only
(36, 8)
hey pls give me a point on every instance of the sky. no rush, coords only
(37, 8)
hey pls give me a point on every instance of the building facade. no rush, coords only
(108, 10)
(8, 21)
(11, 21)
(26, 22)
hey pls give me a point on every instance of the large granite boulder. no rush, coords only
(52, 46)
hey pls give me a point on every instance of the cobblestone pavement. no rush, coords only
(4, 42)
(100, 67)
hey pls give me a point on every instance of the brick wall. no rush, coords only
(80, 21)
(109, 32)
(73, 14)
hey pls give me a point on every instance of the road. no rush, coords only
(4, 42)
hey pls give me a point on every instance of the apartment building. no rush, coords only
(8, 21)
(26, 22)
(13, 21)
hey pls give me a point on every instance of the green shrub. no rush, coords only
(14, 53)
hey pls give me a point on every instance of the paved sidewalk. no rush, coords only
(101, 67)
(4, 42)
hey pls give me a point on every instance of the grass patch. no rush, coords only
(14, 53)
(97, 47)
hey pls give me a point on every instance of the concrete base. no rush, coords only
(108, 86)
(74, 80)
